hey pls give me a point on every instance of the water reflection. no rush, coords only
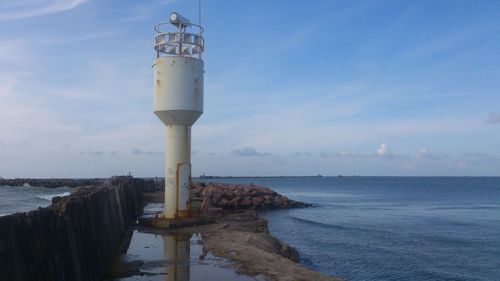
(177, 248)
(175, 257)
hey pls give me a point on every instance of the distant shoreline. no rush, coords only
(338, 176)
(74, 182)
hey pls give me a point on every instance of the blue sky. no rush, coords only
(291, 88)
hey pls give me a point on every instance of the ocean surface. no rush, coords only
(14, 199)
(391, 228)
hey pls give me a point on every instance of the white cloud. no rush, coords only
(493, 118)
(348, 153)
(20, 9)
(25, 119)
(138, 151)
(249, 151)
(12, 52)
(287, 122)
(383, 150)
(100, 109)
(424, 153)
(306, 154)
(99, 153)
(325, 154)
(478, 157)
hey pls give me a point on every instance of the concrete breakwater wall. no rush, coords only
(76, 238)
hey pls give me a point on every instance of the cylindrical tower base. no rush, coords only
(177, 171)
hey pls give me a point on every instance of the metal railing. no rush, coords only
(180, 42)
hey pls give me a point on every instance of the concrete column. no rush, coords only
(177, 171)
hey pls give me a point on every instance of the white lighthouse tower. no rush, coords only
(178, 102)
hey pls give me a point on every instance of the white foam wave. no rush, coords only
(50, 196)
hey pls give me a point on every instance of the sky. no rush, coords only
(370, 88)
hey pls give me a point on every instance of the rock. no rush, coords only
(222, 203)
(231, 196)
(216, 197)
(246, 202)
(53, 183)
(257, 201)
(233, 204)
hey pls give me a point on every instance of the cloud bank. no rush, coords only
(138, 151)
(493, 118)
(249, 151)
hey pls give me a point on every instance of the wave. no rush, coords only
(359, 230)
(449, 241)
(440, 274)
(478, 207)
(326, 225)
(50, 196)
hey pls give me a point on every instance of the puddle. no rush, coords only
(176, 257)
(152, 209)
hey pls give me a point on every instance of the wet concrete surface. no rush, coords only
(156, 255)
(176, 257)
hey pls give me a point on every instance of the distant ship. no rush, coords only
(205, 176)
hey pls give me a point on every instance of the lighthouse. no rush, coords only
(178, 103)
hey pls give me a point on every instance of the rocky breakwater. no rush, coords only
(238, 196)
(52, 183)
(238, 233)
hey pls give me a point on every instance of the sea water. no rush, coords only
(391, 228)
(16, 199)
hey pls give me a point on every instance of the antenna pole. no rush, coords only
(199, 12)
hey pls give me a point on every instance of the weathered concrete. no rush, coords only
(163, 223)
(149, 185)
(243, 237)
(75, 238)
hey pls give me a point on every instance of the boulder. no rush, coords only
(239, 196)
